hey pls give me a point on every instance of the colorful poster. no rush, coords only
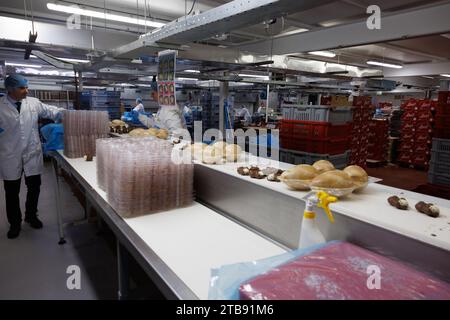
(166, 77)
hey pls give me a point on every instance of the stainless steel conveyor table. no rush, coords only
(176, 248)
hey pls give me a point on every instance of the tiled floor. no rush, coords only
(34, 266)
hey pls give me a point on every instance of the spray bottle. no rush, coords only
(310, 234)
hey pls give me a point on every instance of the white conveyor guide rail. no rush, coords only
(370, 206)
(190, 241)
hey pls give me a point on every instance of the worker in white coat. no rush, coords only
(139, 106)
(167, 117)
(20, 150)
(245, 114)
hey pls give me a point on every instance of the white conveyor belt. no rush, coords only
(190, 240)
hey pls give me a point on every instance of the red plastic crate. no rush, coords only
(409, 105)
(317, 130)
(285, 129)
(420, 160)
(404, 157)
(407, 126)
(407, 136)
(444, 97)
(442, 109)
(423, 117)
(423, 127)
(424, 105)
(322, 146)
(356, 126)
(442, 133)
(442, 121)
(408, 116)
(406, 147)
(422, 148)
(421, 138)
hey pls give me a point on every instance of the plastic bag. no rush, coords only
(54, 137)
(343, 271)
(225, 281)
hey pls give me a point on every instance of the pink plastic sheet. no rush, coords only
(341, 270)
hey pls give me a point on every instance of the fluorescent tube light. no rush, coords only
(445, 75)
(191, 71)
(74, 60)
(327, 54)
(243, 75)
(103, 15)
(383, 64)
(187, 79)
(23, 65)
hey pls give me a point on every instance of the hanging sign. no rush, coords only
(166, 77)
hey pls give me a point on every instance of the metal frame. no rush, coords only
(170, 285)
(397, 26)
(230, 16)
(278, 217)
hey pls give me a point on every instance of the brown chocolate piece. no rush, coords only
(428, 208)
(256, 173)
(243, 171)
(399, 203)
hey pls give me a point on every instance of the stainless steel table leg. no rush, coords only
(58, 200)
(123, 271)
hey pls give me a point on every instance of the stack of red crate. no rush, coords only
(314, 137)
(442, 116)
(378, 140)
(362, 114)
(416, 133)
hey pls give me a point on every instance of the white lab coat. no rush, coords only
(20, 146)
(168, 117)
(139, 108)
(246, 115)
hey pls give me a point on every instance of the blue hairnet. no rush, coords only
(138, 100)
(15, 81)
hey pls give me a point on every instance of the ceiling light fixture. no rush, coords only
(103, 15)
(384, 64)
(74, 60)
(187, 79)
(23, 65)
(191, 71)
(328, 54)
(243, 75)
(445, 75)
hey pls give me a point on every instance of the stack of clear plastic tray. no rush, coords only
(81, 129)
(140, 178)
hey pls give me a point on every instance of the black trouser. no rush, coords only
(12, 189)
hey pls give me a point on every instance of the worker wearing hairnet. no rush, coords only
(20, 150)
(245, 114)
(167, 117)
(139, 106)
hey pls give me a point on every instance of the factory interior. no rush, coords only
(225, 150)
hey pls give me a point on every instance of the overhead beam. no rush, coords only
(222, 19)
(412, 52)
(410, 24)
(420, 69)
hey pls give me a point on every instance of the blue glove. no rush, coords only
(1, 130)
